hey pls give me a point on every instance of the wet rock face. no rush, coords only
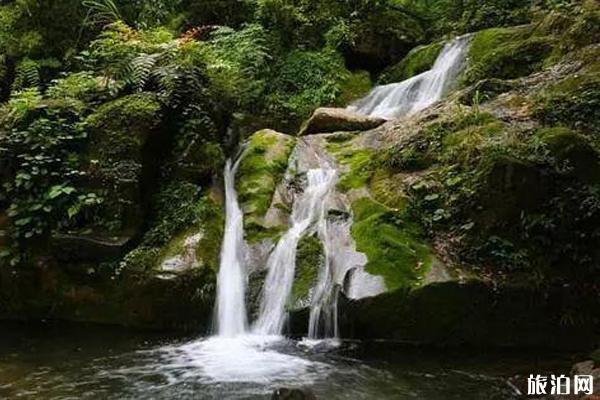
(326, 120)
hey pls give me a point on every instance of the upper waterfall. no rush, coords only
(230, 313)
(420, 91)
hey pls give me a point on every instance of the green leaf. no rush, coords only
(23, 221)
(432, 197)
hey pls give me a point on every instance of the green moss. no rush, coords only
(465, 144)
(82, 86)
(573, 102)
(388, 189)
(573, 150)
(119, 128)
(392, 244)
(355, 86)
(418, 60)
(584, 31)
(356, 160)
(506, 53)
(263, 165)
(182, 218)
(309, 259)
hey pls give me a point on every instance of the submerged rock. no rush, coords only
(293, 394)
(325, 120)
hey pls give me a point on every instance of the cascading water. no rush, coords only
(231, 284)
(419, 92)
(307, 210)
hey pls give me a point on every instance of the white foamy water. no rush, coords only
(420, 91)
(307, 210)
(231, 284)
(246, 358)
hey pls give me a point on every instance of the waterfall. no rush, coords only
(323, 309)
(231, 284)
(307, 210)
(419, 92)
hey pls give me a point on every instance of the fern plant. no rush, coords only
(27, 75)
(101, 12)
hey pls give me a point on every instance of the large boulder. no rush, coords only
(293, 394)
(263, 165)
(325, 120)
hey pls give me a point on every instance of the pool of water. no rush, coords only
(71, 361)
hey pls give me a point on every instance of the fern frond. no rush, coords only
(101, 11)
(27, 75)
(140, 70)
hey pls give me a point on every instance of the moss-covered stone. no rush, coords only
(309, 260)
(506, 53)
(485, 90)
(573, 101)
(173, 227)
(508, 187)
(119, 160)
(388, 189)
(418, 60)
(355, 161)
(391, 244)
(262, 167)
(574, 150)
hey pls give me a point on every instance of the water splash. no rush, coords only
(419, 92)
(307, 210)
(230, 310)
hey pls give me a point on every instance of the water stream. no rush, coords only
(419, 92)
(308, 209)
(230, 309)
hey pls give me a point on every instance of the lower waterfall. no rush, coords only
(307, 210)
(230, 309)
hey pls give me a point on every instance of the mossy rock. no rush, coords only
(122, 157)
(466, 313)
(120, 128)
(485, 90)
(357, 162)
(573, 149)
(509, 186)
(170, 237)
(261, 169)
(309, 260)
(573, 101)
(584, 30)
(506, 53)
(418, 60)
(392, 244)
